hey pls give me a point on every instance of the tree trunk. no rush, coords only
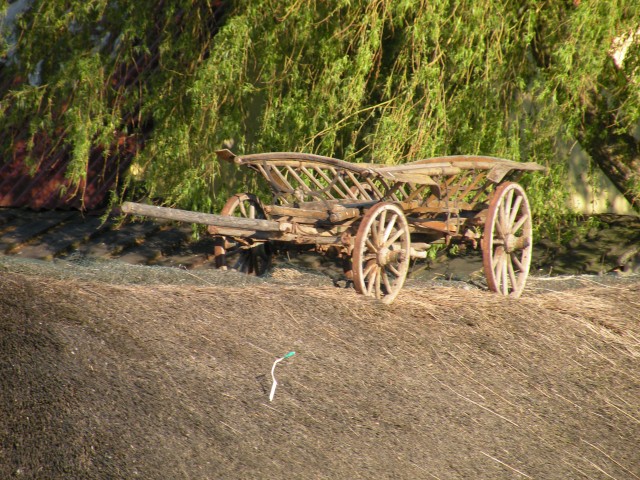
(616, 153)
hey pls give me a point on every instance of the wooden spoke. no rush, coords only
(512, 273)
(497, 258)
(386, 280)
(394, 270)
(375, 235)
(389, 228)
(514, 211)
(370, 257)
(394, 239)
(520, 223)
(372, 279)
(380, 229)
(370, 268)
(507, 240)
(516, 260)
(378, 270)
(505, 276)
(501, 232)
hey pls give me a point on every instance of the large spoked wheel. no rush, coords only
(382, 252)
(252, 258)
(507, 241)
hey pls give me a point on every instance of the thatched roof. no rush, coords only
(161, 380)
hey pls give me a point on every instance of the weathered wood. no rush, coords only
(335, 213)
(252, 224)
(243, 232)
(315, 213)
(480, 162)
(417, 178)
(418, 170)
(344, 214)
(290, 158)
(437, 225)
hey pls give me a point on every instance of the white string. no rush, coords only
(273, 376)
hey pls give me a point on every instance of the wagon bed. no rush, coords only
(378, 217)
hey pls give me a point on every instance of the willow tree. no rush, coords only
(372, 80)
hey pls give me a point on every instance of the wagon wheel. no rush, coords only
(507, 240)
(381, 253)
(253, 259)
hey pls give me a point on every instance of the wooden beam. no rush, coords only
(250, 224)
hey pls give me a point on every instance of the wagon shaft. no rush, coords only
(221, 222)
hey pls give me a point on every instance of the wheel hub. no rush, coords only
(513, 243)
(383, 256)
(510, 242)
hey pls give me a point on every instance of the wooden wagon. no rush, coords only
(377, 217)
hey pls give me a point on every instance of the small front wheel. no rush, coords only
(249, 258)
(381, 253)
(507, 241)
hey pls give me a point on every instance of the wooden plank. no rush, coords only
(481, 162)
(437, 225)
(317, 213)
(497, 173)
(477, 178)
(442, 206)
(204, 218)
(416, 177)
(406, 167)
(320, 204)
(433, 169)
(360, 204)
(344, 214)
(244, 233)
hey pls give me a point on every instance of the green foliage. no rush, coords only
(367, 80)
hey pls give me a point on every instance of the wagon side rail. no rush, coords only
(447, 184)
(300, 178)
(468, 187)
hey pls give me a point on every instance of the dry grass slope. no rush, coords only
(100, 380)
